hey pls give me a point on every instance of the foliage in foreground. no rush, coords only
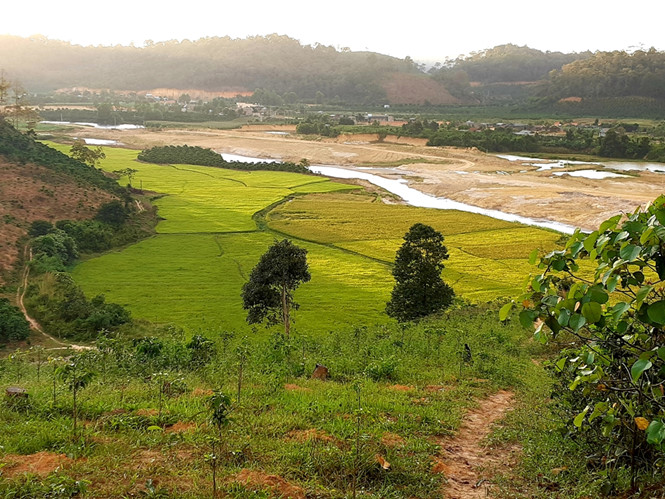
(612, 370)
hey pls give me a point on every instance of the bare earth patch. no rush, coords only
(42, 463)
(278, 486)
(466, 463)
(401, 388)
(392, 440)
(309, 435)
(181, 427)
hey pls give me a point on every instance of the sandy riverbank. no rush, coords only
(468, 176)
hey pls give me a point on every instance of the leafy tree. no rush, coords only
(126, 172)
(84, 154)
(419, 290)
(112, 213)
(612, 371)
(40, 228)
(13, 325)
(55, 244)
(268, 295)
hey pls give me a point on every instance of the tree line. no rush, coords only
(195, 155)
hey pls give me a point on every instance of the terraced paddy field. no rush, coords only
(212, 235)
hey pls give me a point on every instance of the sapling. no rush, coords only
(242, 353)
(77, 378)
(219, 407)
(40, 358)
(55, 363)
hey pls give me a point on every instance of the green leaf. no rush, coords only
(661, 353)
(619, 309)
(576, 322)
(154, 428)
(504, 312)
(610, 223)
(580, 417)
(611, 283)
(621, 236)
(656, 432)
(561, 363)
(656, 312)
(533, 257)
(527, 317)
(598, 294)
(630, 252)
(592, 311)
(646, 235)
(564, 317)
(641, 295)
(638, 368)
(590, 241)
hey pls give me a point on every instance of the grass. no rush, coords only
(409, 383)
(208, 242)
(488, 257)
(196, 280)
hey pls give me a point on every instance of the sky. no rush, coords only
(427, 31)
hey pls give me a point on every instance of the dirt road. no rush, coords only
(463, 175)
(467, 465)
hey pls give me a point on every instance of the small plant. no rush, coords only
(76, 377)
(242, 354)
(219, 407)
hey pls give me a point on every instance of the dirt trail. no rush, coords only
(464, 459)
(20, 295)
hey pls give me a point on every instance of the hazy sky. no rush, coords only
(425, 30)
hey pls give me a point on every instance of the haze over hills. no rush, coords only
(323, 74)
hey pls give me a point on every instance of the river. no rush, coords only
(414, 197)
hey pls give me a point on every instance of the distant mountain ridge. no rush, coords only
(318, 73)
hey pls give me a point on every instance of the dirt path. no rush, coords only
(464, 459)
(20, 295)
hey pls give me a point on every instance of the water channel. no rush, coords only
(414, 197)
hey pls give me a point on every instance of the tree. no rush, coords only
(126, 172)
(268, 295)
(84, 154)
(612, 322)
(113, 213)
(419, 290)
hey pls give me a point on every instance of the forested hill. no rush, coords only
(19, 148)
(40, 183)
(277, 63)
(318, 73)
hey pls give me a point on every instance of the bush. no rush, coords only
(13, 326)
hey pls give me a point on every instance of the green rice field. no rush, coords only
(192, 271)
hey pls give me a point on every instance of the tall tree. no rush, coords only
(268, 295)
(84, 154)
(419, 290)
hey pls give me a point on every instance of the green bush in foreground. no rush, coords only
(13, 325)
(612, 372)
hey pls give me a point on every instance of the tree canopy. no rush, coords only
(612, 322)
(419, 289)
(268, 295)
